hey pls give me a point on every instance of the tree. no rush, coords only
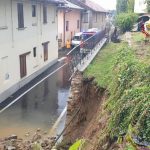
(125, 21)
(130, 5)
(121, 6)
(148, 5)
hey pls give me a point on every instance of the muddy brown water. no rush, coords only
(39, 108)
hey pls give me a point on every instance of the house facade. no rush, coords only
(69, 22)
(28, 41)
(93, 16)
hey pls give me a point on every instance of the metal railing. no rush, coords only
(78, 53)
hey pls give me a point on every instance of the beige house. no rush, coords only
(69, 22)
(28, 41)
(93, 16)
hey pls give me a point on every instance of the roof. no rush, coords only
(71, 5)
(89, 4)
(94, 6)
(51, 1)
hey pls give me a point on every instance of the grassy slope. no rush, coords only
(102, 65)
(127, 77)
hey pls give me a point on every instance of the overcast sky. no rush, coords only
(107, 4)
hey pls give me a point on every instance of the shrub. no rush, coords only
(125, 21)
(130, 97)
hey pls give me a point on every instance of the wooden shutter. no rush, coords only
(45, 49)
(44, 14)
(23, 66)
(33, 10)
(20, 15)
(78, 24)
(67, 25)
(23, 69)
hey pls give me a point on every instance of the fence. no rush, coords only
(78, 53)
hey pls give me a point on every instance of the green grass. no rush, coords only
(101, 67)
(138, 37)
(128, 80)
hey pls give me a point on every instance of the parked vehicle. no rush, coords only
(89, 40)
(76, 40)
(93, 30)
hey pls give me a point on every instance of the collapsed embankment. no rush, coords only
(118, 119)
(84, 107)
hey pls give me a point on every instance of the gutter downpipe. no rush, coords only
(12, 25)
(64, 27)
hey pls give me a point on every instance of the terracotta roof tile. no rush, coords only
(94, 6)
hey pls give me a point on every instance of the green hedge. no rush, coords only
(130, 96)
(125, 21)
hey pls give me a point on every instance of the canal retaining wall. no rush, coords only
(83, 104)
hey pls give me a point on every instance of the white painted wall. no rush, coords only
(14, 42)
(140, 6)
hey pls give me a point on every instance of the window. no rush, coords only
(23, 66)
(33, 10)
(102, 17)
(20, 15)
(67, 25)
(85, 17)
(3, 15)
(34, 52)
(44, 14)
(78, 24)
(95, 16)
(45, 50)
(23, 69)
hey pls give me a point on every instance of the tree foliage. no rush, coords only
(125, 21)
(148, 5)
(125, 6)
(121, 6)
(130, 5)
(130, 100)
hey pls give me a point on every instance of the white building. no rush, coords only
(28, 41)
(140, 6)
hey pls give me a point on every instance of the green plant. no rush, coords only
(138, 37)
(130, 97)
(125, 21)
(148, 5)
(121, 6)
(130, 5)
(78, 144)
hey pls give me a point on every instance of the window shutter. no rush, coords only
(20, 15)
(44, 14)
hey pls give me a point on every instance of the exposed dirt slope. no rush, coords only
(84, 107)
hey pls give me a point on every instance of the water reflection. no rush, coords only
(37, 109)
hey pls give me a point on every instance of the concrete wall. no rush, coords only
(99, 23)
(14, 42)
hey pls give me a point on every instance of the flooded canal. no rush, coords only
(39, 108)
